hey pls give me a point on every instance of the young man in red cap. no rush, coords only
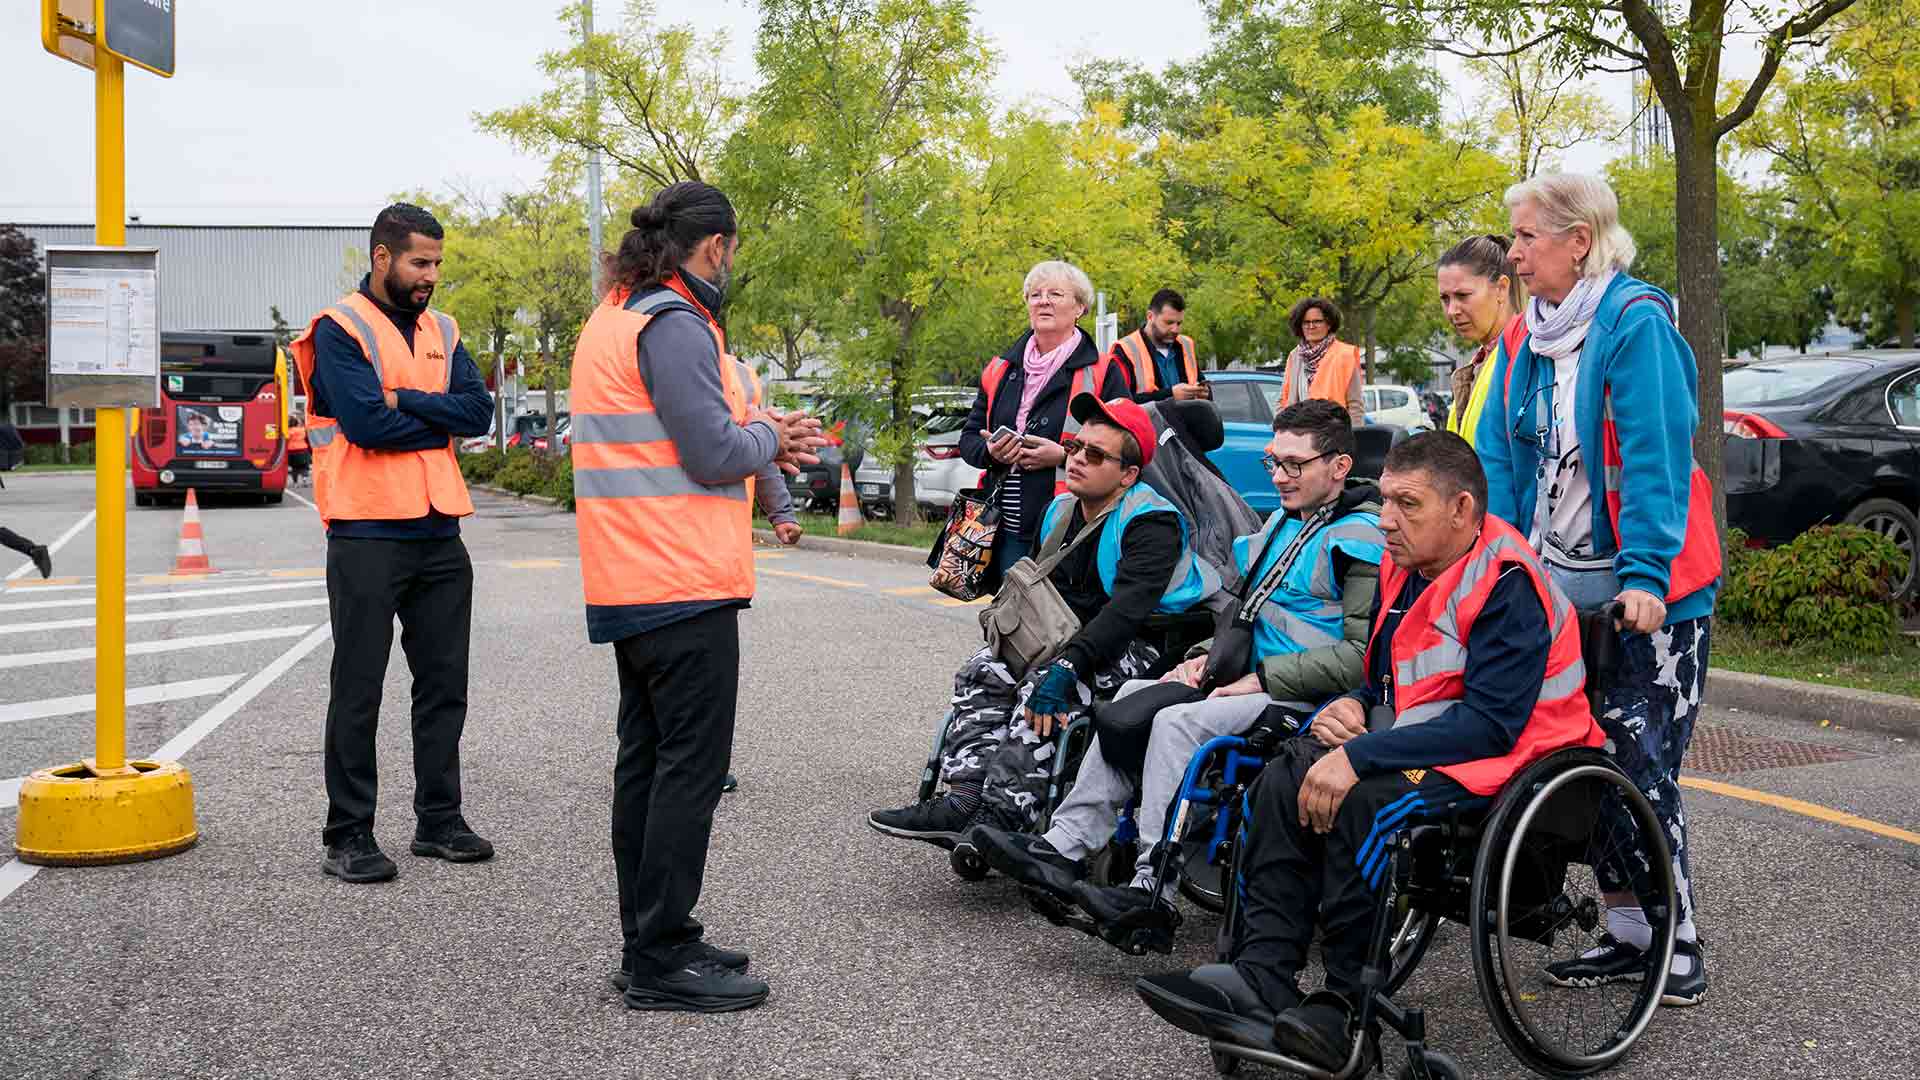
(997, 752)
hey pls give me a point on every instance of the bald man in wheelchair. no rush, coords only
(1472, 673)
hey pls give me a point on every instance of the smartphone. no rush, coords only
(1000, 433)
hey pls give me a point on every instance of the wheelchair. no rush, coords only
(1519, 874)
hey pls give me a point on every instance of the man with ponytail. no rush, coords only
(665, 438)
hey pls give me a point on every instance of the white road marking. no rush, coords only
(27, 567)
(148, 648)
(136, 695)
(13, 875)
(173, 594)
(291, 494)
(164, 616)
(32, 588)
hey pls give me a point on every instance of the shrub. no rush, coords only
(81, 453)
(560, 480)
(481, 468)
(1833, 585)
(521, 473)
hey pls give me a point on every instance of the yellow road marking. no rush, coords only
(535, 564)
(169, 579)
(761, 553)
(950, 602)
(1803, 808)
(817, 580)
(912, 590)
(309, 572)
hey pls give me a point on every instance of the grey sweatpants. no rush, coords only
(1091, 811)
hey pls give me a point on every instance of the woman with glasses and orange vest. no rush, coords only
(1480, 296)
(1019, 425)
(1587, 437)
(665, 441)
(1322, 366)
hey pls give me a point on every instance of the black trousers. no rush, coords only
(1289, 874)
(11, 539)
(678, 687)
(429, 585)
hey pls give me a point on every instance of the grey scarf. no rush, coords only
(1558, 330)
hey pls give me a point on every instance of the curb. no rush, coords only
(541, 499)
(864, 549)
(1868, 710)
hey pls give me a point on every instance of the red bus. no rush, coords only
(222, 422)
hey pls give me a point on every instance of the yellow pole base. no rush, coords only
(77, 815)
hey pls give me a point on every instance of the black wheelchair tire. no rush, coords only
(1224, 1064)
(1440, 1066)
(1487, 910)
(967, 864)
(1204, 882)
(1408, 945)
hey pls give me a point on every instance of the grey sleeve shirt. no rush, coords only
(680, 364)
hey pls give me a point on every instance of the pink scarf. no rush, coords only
(1040, 368)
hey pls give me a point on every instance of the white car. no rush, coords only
(1391, 404)
(938, 470)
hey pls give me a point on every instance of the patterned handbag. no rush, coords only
(965, 548)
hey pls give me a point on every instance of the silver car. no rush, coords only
(938, 470)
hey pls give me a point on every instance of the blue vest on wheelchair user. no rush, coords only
(1305, 611)
(1192, 579)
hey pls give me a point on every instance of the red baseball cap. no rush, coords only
(1122, 413)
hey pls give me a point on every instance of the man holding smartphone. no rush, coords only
(1161, 361)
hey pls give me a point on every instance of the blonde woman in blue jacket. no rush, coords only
(1590, 453)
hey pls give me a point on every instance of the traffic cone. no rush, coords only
(850, 518)
(191, 557)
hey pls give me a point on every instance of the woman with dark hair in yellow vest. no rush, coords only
(665, 440)
(1322, 366)
(1480, 295)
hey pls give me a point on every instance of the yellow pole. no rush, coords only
(110, 439)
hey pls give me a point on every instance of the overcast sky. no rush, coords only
(285, 112)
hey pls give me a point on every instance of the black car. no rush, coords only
(1833, 439)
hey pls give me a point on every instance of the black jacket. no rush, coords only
(1047, 419)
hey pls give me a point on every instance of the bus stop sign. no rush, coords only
(139, 32)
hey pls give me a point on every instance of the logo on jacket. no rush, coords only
(434, 355)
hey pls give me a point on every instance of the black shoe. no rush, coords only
(453, 841)
(1213, 1002)
(731, 959)
(42, 560)
(1612, 961)
(1027, 859)
(937, 821)
(701, 985)
(358, 860)
(1315, 1031)
(1684, 990)
(731, 783)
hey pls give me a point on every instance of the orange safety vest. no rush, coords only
(351, 483)
(1088, 380)
(1330, 379)
(649, 532)
(1429, 653)
(296, 437)
(1134, 348)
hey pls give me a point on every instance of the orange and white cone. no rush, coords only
(850, 518)
(191, 558)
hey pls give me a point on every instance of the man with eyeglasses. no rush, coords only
(1309, 578)
(997, 753)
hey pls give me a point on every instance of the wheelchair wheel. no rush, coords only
(1537, 900)
(1204, 881)
(968, 864)
(1408, 943)
(1112, 865)
(1224, 1064)
(1439, 1066)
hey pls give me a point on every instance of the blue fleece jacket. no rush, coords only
(1635, 351)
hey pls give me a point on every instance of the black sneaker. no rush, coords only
(1315, 1031)
(1213, 1002)
(42, 560)
(937, 821)
(1684, 990)
(358, 860)
(732, 959)
(731, 783)
(700, 985)
(1610, 961)
(1027, 859)
(1124, 906)
(453, 841)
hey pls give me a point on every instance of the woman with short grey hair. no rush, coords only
(1019, 419)
(1587, 441)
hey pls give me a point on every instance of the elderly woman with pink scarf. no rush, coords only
(1025, 391)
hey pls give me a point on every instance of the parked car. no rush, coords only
(817, 487)
(939, 472)
(1832, 439)
(1247, 401)
(1398, 405)
(530, 426)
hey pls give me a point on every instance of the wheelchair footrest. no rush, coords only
(1135, 939)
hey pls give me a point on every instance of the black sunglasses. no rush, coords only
(1098, 457)
(1292, 468)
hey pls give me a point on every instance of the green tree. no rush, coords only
(543, 233)
(1844, 138)
(23, 320)
(1534, 111)
(1682, 58)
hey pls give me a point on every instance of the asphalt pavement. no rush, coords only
(239, 959)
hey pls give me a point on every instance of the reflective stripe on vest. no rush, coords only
(1192, 579)
(650, 533)
(355, 484)
(1429, 654)
(1306, 611)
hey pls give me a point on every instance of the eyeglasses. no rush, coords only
(1286, 465)
(1098, 457)
(1313, 322)
(1049, 296)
